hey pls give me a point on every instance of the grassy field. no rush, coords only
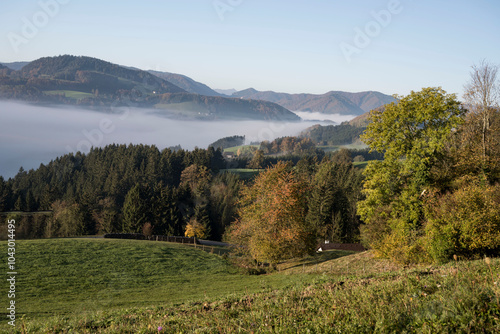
(138, 286)
(189, 109)
(63, 276)
(243, 148)
(361, 164)
(333, 148)
(69, 93)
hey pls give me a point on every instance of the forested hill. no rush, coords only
(334, 102)
(92, 73)
(342, 134)
(216, 107)
(95, 83)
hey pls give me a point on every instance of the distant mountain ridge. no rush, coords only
(334, 102)
(227, 92)
(94, 83)
(17, 65)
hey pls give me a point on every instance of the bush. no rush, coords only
(464, 222)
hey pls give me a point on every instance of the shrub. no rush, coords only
(463, 222)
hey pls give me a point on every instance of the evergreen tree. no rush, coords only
(134, 211)
(332, 203)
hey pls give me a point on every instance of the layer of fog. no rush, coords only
(319, 117)
(31, 135)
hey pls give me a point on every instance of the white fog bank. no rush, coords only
(31, 135)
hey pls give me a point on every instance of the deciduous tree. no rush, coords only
(411, 133)
(272, 225)
(481, 94)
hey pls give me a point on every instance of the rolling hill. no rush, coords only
(89, 74)
(84, 286)
(97, 84)
(188, 105)
(362, 120)
(334, 102)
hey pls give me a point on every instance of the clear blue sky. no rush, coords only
(290, 46)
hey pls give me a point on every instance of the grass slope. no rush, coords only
(69, 93)
(243, 148)
(338, 293)
(63, 276)
(372, 296)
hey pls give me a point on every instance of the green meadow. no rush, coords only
(69, 93)
(128, 286)
(75, 275)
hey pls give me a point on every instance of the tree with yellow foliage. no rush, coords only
(272, 225)
(194, 229)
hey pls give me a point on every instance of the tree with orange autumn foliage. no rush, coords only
(272, 225)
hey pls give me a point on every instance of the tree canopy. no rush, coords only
(411, 133)
(271, 225)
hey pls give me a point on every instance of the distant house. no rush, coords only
(337, 246)
(228, 155)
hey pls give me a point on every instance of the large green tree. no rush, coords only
(411, 133)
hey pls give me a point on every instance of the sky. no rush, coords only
(292, 46)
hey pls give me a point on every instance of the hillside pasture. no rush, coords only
(58, 277)
(69, 94)
(339, 293)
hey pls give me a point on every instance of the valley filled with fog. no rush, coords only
(31, 135)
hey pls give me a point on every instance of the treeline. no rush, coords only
(140, 189)
(334, 134)
(120, 188)
(288, 145)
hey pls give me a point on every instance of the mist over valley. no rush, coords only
(31, 135)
